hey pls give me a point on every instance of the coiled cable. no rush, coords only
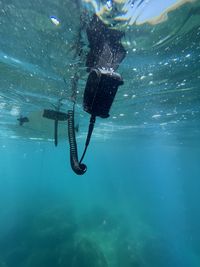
(78, 168)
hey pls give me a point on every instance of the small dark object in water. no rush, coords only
(22, 120)
(76, 128)
(55, 115)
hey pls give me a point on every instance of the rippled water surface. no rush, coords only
(160, 71)
(137, 205)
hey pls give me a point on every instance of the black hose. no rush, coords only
(78, 168)
(56, 132)
(90, 130)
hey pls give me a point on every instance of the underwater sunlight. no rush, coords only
(99, 133)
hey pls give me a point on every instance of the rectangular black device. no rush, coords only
(100, 90)
(55, 115)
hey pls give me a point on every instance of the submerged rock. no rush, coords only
(88, 254)
(52, 228)
(99, 219)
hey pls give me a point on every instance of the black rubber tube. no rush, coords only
(90, 130)
(56, 132)
(78, 168)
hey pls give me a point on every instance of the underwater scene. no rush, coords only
(99, 133)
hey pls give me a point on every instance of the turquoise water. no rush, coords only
(138, 203)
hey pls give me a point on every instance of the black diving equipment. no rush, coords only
(99, 94)
(100, 90)
(56, 116)
(106, 52)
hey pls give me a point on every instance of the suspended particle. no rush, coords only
(55, 20)
(109, 4)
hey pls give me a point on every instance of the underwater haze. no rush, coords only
(138, 203)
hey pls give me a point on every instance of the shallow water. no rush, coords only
(137, 204)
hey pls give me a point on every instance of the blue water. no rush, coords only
(138, 203)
